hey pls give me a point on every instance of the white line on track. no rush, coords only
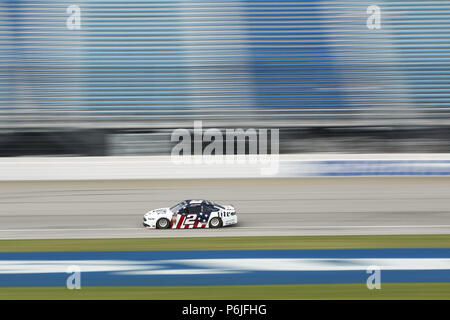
(69, 229)
(332, 227)
(235, 228)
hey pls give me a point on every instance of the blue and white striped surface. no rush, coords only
(171, 268)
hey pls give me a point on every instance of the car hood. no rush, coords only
(158, 211)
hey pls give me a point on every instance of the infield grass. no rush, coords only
(253, 292)
(229, 243)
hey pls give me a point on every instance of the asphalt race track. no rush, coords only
(297, 206)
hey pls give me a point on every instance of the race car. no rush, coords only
(190, 214)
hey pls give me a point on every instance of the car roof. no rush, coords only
(194, 201)
(199, 202)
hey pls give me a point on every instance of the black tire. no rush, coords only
(163, 223)
(215, 222)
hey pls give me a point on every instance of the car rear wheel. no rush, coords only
(163, 223)
(215, 223)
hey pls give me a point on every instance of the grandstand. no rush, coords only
(100, 75)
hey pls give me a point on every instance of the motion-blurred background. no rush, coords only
(359, 84)
(116, 77)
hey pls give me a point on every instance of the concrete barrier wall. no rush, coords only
(163, 167)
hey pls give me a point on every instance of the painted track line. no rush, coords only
(232, 228)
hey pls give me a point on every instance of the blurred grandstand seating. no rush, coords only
(308, 67)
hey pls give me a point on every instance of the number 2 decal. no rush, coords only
(190, 219)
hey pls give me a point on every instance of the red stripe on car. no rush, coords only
(180, 222)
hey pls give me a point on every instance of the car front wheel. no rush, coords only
(163, 223)
(215, 223)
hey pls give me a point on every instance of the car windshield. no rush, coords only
(216, 204)
(177, 207)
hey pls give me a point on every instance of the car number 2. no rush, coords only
(190, 219)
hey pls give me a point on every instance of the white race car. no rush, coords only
(190, 214)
